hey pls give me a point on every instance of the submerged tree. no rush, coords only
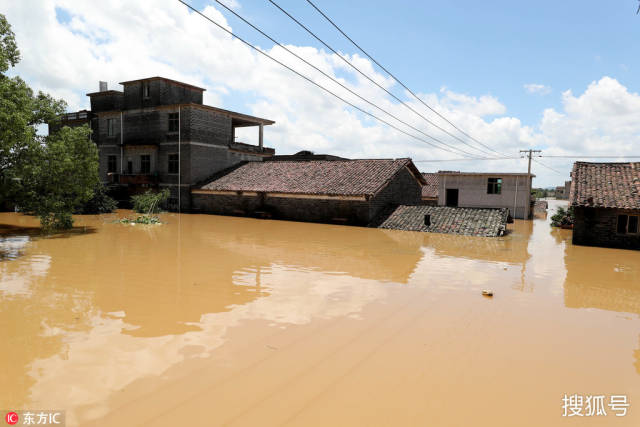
(46, 175)
(563, 217)
(59, 177)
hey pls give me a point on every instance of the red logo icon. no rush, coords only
(11, 418)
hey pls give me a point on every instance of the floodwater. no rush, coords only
(210, 320)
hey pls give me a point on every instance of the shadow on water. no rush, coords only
(14, 238)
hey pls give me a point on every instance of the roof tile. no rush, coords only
(606, 185)
(338, 177)
(433, 181)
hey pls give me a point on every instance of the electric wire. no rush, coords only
(337, 81)
(376, 83)
(311, 81)
(395, 78)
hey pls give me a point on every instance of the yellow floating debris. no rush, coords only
(487, 292)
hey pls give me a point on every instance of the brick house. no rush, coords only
(157, 133)
(430, 189)
(487, 190)
(562, 191)
(606, 201)
(331, 191)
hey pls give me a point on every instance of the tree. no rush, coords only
(45, 175)
(59, 177)
(149, 202)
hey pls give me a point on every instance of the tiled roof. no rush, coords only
(467, 221)
(431, 189)
(606, 185)
(338, 177)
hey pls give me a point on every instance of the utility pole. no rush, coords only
(529, 154)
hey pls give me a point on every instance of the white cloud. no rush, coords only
(100, 41)
(537, 88)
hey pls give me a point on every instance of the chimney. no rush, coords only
(103, 86)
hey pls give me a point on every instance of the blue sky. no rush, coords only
(474, 47)
(562, 76)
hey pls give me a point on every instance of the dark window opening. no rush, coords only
(145, 89)
(111, 127)
(632, 224)
(622, 224)
(111, 164)
(174, 122)
(129, 166)
(173, 163)
(494, 186)
(145, 163)
(452, 197)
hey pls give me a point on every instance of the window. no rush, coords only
(111, 127)
(174, 122)
(173, 163)
(145, 89)
(145, 163)
(627, 224)
(111, 164)
(494, 186)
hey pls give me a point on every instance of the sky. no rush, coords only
(561, 77)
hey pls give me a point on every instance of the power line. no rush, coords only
(467, 159)
(337, 81)
(577, 156)
(549, 167)
(395, 78)
(374, 82)
(311, 81)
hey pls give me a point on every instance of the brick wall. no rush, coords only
(110, 101)
(402, 190)
(310, 210)
(161, 92)
(207, 126)
(598, 227)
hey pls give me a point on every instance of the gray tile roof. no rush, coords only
(321, 177)
(466, 221)
(606, 185)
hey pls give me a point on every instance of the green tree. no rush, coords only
(48, 176)
(149, 202)
(59, 177)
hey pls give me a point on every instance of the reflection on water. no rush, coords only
(103, 316)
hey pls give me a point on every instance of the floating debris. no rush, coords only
(487, 292)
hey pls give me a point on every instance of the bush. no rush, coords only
(149, 202)
(562, 217)
(100, 203)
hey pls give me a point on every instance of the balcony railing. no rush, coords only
(133, 179)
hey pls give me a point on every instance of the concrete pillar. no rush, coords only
(260, 135)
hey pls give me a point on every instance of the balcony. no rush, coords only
(133, 179)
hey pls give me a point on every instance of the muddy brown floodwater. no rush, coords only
(210, 320)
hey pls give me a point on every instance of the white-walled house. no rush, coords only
(487, 190)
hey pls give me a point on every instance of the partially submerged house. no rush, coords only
(606, 201)
(486, 190)
(430, 189)
(562, 191)
(339, 191)
(443, 219)
(157, 133)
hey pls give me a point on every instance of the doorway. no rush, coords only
(452, 197)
